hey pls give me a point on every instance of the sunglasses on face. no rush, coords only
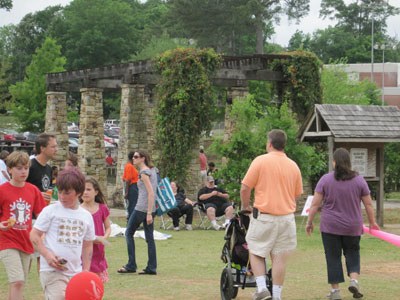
(136, 156)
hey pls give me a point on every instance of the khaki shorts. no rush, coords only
(270, 234)
(54, 285)
(16, 264)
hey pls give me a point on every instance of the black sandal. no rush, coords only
(147, 272)
(124, 270)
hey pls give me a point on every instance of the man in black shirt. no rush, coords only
(40, 172)
(216, 203)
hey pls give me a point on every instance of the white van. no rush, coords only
(111, 122)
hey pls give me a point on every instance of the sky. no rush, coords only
(282, 36)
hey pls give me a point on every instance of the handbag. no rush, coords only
(165, 199)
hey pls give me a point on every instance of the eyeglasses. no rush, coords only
(136, 156)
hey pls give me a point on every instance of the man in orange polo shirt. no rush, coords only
(277, 182)
(130, 179)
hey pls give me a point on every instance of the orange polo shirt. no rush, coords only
(277, 183)
(130, 173)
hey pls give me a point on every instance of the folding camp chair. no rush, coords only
(204, 222)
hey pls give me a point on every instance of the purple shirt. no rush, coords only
(99, 263)
(341, 206)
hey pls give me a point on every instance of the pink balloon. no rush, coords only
(385, 236)
(85, 286)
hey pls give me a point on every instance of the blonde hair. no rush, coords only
(17, 158)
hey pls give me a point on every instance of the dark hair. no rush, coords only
(73, 158)
(4, 154)
(343, 169)
(277, 138)
(71, 179)
(146, 156)
(211, 164)
(130, 155)
(99, 198)
(42, 140)
(201, 151)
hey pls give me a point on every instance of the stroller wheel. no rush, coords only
(228, 291)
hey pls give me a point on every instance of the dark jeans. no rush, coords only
(137, 218)
(132, 198)
(179, 211)
(333, 245)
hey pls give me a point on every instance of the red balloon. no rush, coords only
(85, 286)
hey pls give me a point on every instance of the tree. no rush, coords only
(299, 41)
(229, 25)
(248, 140)
(339, 89)
(6, 4)
(98, 32)
(6, 39)
(29, 96)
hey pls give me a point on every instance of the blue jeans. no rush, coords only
(333, 245)
(137, 218)
(132, 199)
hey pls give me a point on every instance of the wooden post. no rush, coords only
(330, 152)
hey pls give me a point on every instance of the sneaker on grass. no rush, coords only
(263, 295)
(216, 226)
(188, 227)
(334, 295)
(354, 288)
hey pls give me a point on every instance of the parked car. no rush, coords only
(72, 126)
(30, 136)
(12, 135)
(111, 122)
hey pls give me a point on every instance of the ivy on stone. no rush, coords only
(185, 106)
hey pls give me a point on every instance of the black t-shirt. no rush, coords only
(214, 199)
(39, 175)
(180, 199)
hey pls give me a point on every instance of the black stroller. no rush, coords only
(235, 254)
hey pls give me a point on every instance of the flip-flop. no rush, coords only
(124, 270)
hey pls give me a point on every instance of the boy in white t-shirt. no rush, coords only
(68, 233)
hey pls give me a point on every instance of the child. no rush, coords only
(94, 202)
(19, 200)
(68, 233)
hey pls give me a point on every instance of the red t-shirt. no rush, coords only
(130, 173)
(203, 161)
(109, 160)
(19, 203)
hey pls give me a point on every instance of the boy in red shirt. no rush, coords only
(18, 201)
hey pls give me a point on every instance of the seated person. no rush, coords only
(184, 207)
(215, 202)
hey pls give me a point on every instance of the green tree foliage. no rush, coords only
(301, 70)
(98, 32)
(392, 170)
(338, 88)
(6, 4)
(6, 37)
(233, 26)
(299, 41)
(185, 106)
(29, 35)
(29, 96)
(248, 140)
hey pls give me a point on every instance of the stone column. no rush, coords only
(56, 123)
(234, 94)
(91, 150)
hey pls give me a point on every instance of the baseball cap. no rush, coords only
(210, 178)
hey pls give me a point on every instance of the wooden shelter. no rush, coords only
(363, 130)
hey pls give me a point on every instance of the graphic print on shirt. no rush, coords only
(20, 210)
(46, 182)
(70, 232)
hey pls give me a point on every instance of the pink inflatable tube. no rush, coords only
(387, 237)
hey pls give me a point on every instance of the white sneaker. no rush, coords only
(216, 226)
(176, 228)
(226, 223)
(188, 227)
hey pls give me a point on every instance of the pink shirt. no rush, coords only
(99, 262)
(203, 162)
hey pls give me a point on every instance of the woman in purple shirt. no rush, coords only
(340, 192)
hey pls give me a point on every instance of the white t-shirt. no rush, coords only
(3, 167)
(65, 230)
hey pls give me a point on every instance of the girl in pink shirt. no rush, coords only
(93, 200)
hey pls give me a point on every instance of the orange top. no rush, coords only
(277, 182)
(130, 173)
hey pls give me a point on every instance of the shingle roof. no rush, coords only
(353, 122)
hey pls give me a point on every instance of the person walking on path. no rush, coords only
(341, 192)
(144, 214)
(277, 182)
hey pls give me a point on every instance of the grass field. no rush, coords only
(190, 268)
